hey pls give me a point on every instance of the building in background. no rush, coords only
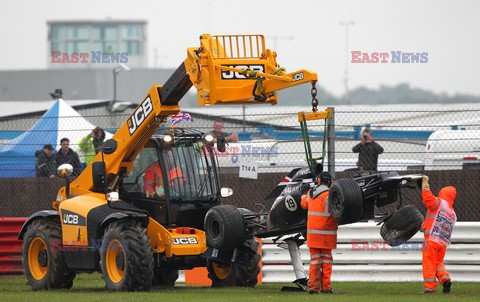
(86, 81)
(95, 38)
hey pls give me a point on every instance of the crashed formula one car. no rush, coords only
(350, 200)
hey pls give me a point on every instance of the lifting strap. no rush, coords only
(258, 87)
(306, 143)
(251, 74)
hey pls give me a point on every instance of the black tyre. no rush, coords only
(401, 225)
(126, 259)
(346, 201)
(165, 277)
(43, 259)
(241, 273)
(224, 227)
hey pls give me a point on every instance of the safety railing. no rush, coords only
(361, 255)
(237, 46)
(10, 247)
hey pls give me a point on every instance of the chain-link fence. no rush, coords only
(442, 142)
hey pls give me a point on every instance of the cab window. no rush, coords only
(135, 181)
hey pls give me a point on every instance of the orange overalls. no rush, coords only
(153, 179)
(436, 220)
(321, 237)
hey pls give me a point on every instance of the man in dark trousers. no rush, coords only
(67, 156)
(368, 151)
(44, 163)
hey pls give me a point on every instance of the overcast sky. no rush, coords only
(448, 30)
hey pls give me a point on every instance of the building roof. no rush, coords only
(17, 109)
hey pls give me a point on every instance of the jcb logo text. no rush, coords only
(233, 75)
(297, 77)
(139, 116)
(191, 240)
(70, 219)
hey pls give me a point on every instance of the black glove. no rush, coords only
(304, 188)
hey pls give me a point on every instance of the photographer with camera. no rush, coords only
(91, 142)
(368, 151)
(218, 131)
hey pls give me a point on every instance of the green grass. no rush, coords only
(90, 287)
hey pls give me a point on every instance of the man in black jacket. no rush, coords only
(67, 156)
(368, 151)
(45, 165)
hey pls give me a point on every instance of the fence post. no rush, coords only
(331, 142)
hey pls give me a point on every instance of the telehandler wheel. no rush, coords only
(241, 273)
(401, 225)
(165, 277)
(346, 201)
(43, 259)
(224, 227)
(126, 258)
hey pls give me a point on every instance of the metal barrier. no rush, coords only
(10, 247)
(363, 256)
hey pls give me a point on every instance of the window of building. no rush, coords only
(131, 47)
(105, 38)
(77, 32)
(58, 46)
(77, 46)
(57, 37)
(131, 40)
(57, 32)
(131, 32)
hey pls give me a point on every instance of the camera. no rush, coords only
(365, 137)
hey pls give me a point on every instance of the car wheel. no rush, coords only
(126, 258)
(346, 201)
(44, 264)
(402, 225)
(224, 227)
(241, 273)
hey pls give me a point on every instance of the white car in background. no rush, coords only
(453, 150)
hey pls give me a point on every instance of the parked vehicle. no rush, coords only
(453, 150)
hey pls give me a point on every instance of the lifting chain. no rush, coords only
(314, 97)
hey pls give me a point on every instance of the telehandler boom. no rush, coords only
(228, 69)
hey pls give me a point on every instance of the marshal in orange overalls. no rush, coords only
(153, 180)
(437, 228)
(321, 237)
